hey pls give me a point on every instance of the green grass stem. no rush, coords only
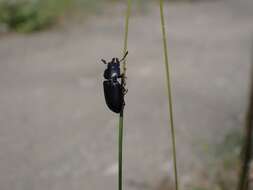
(121, 117)
(166, 61)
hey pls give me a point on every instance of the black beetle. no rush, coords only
(114, 91)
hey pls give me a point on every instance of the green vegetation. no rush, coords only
(228, 165)
(222, 164)
(33, 15)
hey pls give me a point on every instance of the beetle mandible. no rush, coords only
(114, 91)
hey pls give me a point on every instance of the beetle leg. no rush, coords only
(124, 56)
(122, 75)
(125, 90)
(104, 61)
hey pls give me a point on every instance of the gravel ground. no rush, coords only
(57, 134)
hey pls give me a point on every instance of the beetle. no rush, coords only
(114, 89)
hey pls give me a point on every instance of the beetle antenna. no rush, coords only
(104, 61)
(124, 57)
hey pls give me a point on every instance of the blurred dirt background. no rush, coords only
(55, 130)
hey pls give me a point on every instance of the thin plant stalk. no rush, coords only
(120, 141)
(121, 116)
(168, 81)
(243, 183)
